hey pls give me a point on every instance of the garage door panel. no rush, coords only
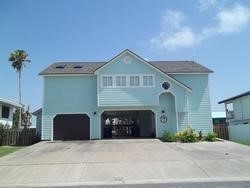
(71, 127)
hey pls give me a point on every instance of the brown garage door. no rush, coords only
(71, 127)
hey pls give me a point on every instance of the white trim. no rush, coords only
(127, 80)
(129, 109)
(43, 104)
(64, 113)
(188, 115)
(142, 60)
(10, 103)
(70, 74)
(175, 101)
(97, 88)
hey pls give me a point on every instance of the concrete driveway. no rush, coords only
(124, 161)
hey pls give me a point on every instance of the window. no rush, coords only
(107, 81)
(134, 80)
(5, 112)
(230, 110)
(147, 80)
(129, 80)
(120, 81)
(166, 85)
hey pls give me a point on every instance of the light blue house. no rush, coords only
(124, 97)
(238, 116)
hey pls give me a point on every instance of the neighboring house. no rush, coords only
(219, 118)
(6, 111)
(38, 114)
(124, 97)
(238, 116)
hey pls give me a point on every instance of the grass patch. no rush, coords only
(245, 143)
(5, 150)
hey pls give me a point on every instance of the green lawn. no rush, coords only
(245, 143)
(5, 150)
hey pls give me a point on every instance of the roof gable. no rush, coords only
(235, 97)
(140, 59)
(9, 102)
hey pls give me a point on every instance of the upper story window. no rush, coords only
(116, 81)
(107, 81)
(5, 112)
(120, 81)
(134, 81)
(230, 110)
(148, 80)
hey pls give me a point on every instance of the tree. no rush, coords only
(26, 118)
(18, 59)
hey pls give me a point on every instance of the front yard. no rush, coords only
(5, 150)
(245, 143)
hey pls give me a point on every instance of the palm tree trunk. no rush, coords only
(20, 100)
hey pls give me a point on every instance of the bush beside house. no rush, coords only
(188, 135)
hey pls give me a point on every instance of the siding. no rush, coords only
(167, 103)
(199, 102)
(242, 108)
(69, 94)
(119, 97)
(239, 133)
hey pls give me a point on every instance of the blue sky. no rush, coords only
(213, 33)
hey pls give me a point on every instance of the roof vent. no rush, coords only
(77, 66)
(60, 66)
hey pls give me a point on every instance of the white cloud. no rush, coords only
(233, 20)
(207, 4)
(175, 34)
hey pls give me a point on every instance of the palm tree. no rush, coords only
(18, 59)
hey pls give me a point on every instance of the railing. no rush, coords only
(22, 137)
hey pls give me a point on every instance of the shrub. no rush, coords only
(187, 135)
(168, 136)
(211, 137)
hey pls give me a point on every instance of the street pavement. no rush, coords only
(126, 162)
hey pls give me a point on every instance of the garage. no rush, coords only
(71, 127)
(128, 124)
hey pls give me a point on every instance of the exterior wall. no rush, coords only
(7, 120)
(239, 133)
(39, 123)
(239, 126)
(167, 103)
(83, 94)
(69, 94)
(139, 96)
(241, 108)
(199, 116)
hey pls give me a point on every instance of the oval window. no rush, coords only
(166, 85)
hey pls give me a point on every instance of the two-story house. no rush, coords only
(238, 116)
(125, 97)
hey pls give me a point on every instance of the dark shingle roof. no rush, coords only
(91, 67)
(235, 97)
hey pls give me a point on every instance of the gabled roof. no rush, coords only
(167, 67)
(9, 102)
(235, 97)
(37, 111)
